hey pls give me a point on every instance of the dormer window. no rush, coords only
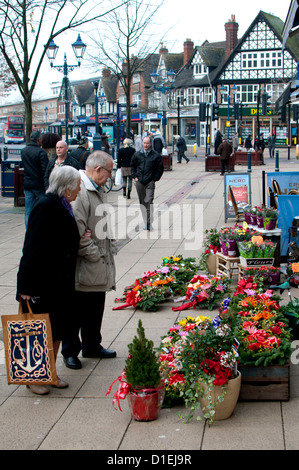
(199, 70)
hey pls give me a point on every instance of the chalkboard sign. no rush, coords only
(240, 185)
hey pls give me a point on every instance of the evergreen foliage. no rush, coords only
(142, 366)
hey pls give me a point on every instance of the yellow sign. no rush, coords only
(227, 123)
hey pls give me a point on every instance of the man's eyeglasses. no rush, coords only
(109, 171)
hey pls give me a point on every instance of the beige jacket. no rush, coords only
(95, 271)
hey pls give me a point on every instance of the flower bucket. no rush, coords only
(269, 224)
(247, 217)
(145, 405)
(260, 222)
(224, 249)
(225, 408)
(272, 279)
(231, 247)
(253, 218)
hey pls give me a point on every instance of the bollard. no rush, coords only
(209, 150)
(249, 162)
(277, 160)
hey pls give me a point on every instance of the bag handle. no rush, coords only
(21, 307)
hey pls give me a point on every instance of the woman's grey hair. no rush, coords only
(97, 158)
(63, 178)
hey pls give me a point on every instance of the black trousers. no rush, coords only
(87, 320)
(224, 165)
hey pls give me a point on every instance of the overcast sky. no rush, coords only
(178, 19)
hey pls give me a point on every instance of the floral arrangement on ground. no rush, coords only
(250, 328)
(155, 287)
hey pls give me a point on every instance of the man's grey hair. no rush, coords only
(97, 158)
(35, 135)
(63, 178)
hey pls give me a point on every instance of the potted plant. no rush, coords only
(257, 253)
(202, 358)
(259, 216)
(270, 216)
(211, 246)
(141, 380)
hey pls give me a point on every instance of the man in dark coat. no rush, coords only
(35, 162)
(146, 169)
(81, 153)
(225, 150)
(158, 143)
(182, 148)
(218, 141)
(62, 158)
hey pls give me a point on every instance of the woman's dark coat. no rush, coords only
(47, 267)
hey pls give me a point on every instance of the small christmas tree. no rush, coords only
(142, 367)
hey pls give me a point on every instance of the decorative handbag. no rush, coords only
(29, 349)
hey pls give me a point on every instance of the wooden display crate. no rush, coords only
(265, 383)
(227, 265)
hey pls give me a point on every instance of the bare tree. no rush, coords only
(126, 42)
(24, 52)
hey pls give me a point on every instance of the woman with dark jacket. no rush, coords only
(124, 162)
(46, 275)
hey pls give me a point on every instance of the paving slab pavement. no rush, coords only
(81, 417)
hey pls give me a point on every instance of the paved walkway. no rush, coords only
(81, 416)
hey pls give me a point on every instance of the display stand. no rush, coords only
(227, 265)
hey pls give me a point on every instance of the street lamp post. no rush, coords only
(46, 111)
(79, 49)
(97, 143)
(223, 90)
(163, 88)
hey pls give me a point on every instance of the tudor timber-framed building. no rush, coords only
(254, 64)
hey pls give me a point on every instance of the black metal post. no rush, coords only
(277, 160)
(249, 162)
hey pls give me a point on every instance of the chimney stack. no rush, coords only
(106, 73)
(188, 50)
(163, 49)
(231, 28)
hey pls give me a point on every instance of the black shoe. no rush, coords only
(187, 161)
(129, 195)
(72, 362)
(103, 353)
(148, 227)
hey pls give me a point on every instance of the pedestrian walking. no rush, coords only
(225, 150)
(235, 141)
(248, 143)
(62, 158)
(138, 143)
(105, 142)
(158, 142)
(125, 155)
(95, 272)
(217, 142)
(81, 153)
(34, 161)
(146, 169)
(271, 144)
(182, 148)
(46, 275)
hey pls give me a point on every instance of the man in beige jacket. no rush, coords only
(95, 271)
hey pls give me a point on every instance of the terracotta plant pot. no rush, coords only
(225, 408)
(146, 405)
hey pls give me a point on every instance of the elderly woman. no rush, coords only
(46, 275)
(124, 162)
